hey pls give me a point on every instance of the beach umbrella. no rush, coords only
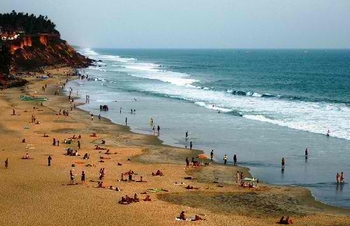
(202, 157)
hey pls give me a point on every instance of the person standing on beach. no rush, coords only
(54, 141)
(78, 144)
(6, 163)
(92, 117)
(158, 129)
(71, 177)
(187, 162)
(225, 159)
(235, 159)
(82, 177)
(191, 144)
(49, 160)
(211, 155)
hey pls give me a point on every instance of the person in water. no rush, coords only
(342, 177)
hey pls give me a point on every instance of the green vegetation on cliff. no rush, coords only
(30, 24)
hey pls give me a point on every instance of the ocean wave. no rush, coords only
(286, 97)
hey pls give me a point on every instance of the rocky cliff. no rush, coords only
(31, 52)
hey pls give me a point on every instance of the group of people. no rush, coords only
(128, 200)
(234, 159)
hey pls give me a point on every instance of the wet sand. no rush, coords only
(36, 194)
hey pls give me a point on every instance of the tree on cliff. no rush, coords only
(30, 24)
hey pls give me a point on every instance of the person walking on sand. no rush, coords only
(211, 155)
(6, 163)
(49, 160)
(82, 177)
(71, 177)
(225, 159)
(235, 159)
(191, 145)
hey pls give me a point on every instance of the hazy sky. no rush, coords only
(196, 23)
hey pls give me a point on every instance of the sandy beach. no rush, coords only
(37, 194)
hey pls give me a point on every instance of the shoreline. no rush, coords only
(246, 170)
(147, 152)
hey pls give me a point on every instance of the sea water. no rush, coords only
(262, 105)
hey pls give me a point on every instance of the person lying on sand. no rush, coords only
(141, 179)
(191, 187)
(182, 217)
(45, 135)
(114, 188)
(27, 156)
(99, 148)
(158, 173)
(101, 157)
(178, 183)
(103, 142)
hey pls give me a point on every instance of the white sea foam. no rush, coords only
(307, 116)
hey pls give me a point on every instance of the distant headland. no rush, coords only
(29, 42)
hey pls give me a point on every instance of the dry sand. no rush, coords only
(36, 194)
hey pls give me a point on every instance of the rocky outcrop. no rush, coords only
(31, 52)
